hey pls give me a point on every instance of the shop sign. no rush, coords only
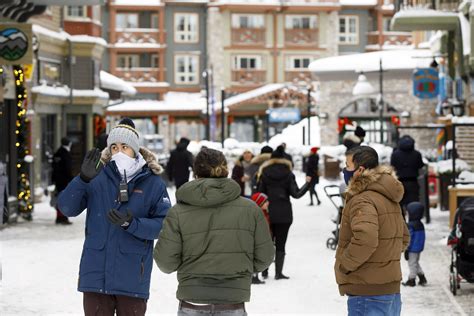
(284, 115)
(15, 44)
(425, 83)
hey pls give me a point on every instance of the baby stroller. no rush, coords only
(333, 193)
(461, 241)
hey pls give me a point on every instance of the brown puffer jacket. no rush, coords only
(372, 236)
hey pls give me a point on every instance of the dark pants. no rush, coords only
(312, 191)
(280, 234)
(96, 304)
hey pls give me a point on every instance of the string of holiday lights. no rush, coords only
(25, 203)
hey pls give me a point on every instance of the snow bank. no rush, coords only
(293, 135)
(446, 166)
(111, 82)
(466, 176)
(462, 120)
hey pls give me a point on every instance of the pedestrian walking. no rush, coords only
(372, 236)
(261, 200)
(256, 162)
(312, 171)
(277, 181)
(181, 160)
(407, 162)
(126, 203)
(241, 173)
(417, 243)
(61, 176)
(215, 239)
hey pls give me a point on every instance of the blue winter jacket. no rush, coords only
(116, 261)
(416, 227)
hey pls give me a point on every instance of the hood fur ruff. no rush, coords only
(273, 161)
(148, 156)
(261, 158)
(376, 180)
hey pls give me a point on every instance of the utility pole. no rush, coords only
(205, 75)
(308, 114)
(381, 102)
(222, 117)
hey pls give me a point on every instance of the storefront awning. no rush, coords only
(424, 20)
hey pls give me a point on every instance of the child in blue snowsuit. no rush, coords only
(417, 243)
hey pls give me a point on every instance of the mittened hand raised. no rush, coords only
(120, 219)
(91, 166)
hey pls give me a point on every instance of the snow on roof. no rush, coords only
(282, 2)
(138, 2)
(466, 34)
(358, 2)
(253, 93)
(173, 101)
(149, 84)
(420, 13)
(64, 91)
(63, 36)
(137, 45)
(111, 82)
(391, 60)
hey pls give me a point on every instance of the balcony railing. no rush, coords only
(249, 76)
(295, 76)
(390, 38)
(138, 74)
(248, 36)
(301, 37)
(138, 36)
(447, 5)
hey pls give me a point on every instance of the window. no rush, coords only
(186, 27)
(155, 61)
(96, 13)
(247, 62)
(186, 69)
(126, 20)
(298, 62)
(154, 21)
(348, 29)
(301, 22)
(248, 21)
(386, 24)
(76, 11)
(128, 61)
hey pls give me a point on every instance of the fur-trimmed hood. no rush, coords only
(275, 161)
(260, 159)
(381, 179)
(148, 156)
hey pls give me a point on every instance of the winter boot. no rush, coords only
(265, 274)
(279, 260)
(422, 278)
(311, 199)
(410, 282)
(256, 280)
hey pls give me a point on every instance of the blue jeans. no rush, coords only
(376, 305)
(183, 311)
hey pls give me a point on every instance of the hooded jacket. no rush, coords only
(278, 182)
(215, 239)
(179, 163)
(116, 261)
(406, 160)
(372, 235)
(416, 227)
(255, 164)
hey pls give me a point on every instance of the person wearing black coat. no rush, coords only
(312, 171)
(407, 162)
(179, 163)
(62, 174)
(278, 182)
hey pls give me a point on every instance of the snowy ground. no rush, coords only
(41, 261)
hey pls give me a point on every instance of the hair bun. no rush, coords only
(127, 121)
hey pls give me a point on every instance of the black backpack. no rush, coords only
(466, 213)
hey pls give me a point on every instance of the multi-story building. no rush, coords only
(135, 31)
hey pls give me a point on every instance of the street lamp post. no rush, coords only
(222, 117)
(381, 102)
(205, 74)
(308, 114)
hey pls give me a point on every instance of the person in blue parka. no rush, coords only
(126, 202)
(417, 243)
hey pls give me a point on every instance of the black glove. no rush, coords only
(406, 255)
(120, 219)
(91, 166)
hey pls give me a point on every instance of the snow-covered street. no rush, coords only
(40, 263)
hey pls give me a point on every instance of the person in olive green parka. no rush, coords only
(214, 238)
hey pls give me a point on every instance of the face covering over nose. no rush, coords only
(348, 175)
(130, 166)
